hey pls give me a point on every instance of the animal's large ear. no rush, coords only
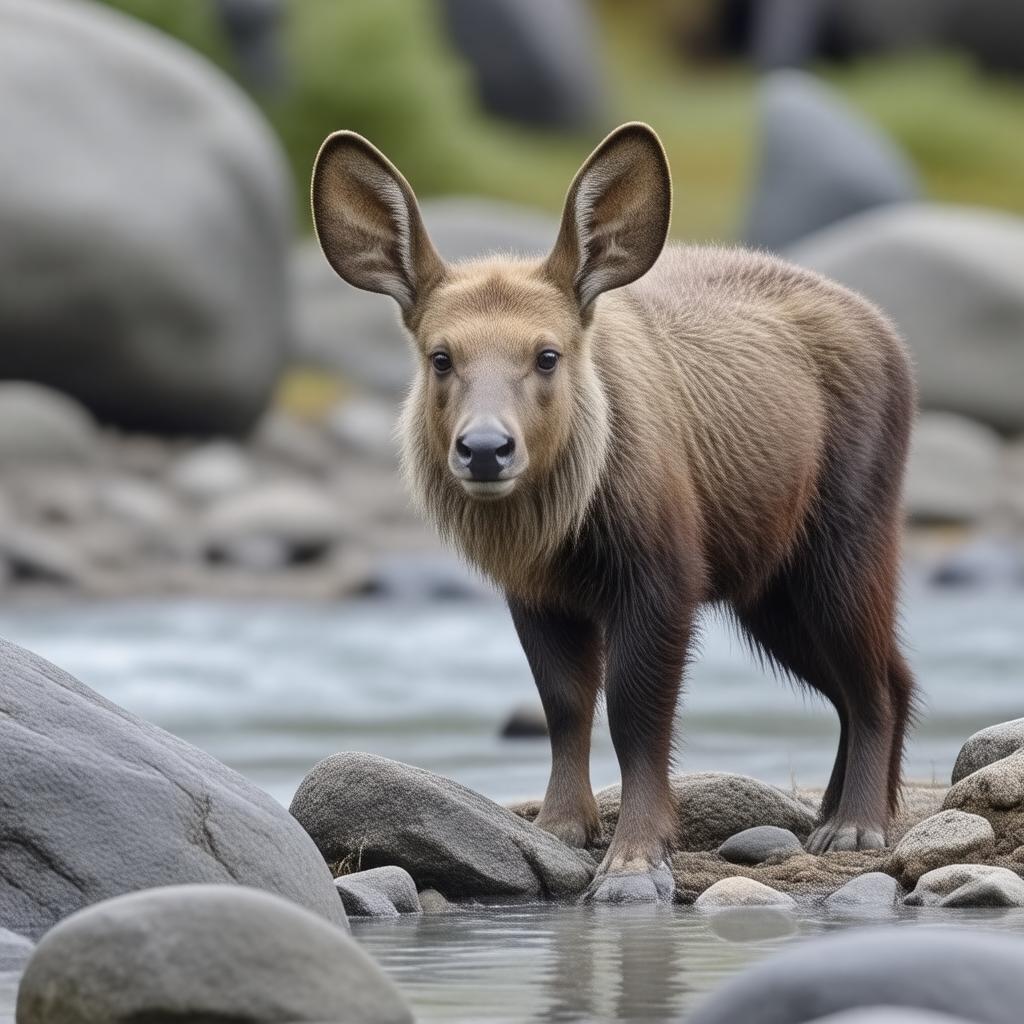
(368, 222)
(616, 215)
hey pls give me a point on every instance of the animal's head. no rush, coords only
(504, 364)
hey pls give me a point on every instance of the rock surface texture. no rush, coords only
(754, 845)
(996, 792)
(742, 892)
(378, 892)
(98, 803)
(944, 838)
(988, 745)
(968, 885)
(154, 286)
(203, 953)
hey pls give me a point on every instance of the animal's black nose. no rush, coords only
(485, 453)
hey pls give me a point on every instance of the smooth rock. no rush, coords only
(975, 975)
(996, 792)
(527, 721)
(152, 287)
(954, 469)
(943, 838)
(952, 278)
(712, 806)
(533, 61)
(754, 845)
(37, 424)
(739, 891)
(988, 746)
(819, 162)
(14, 950)
(378, 892)
(211, 471)
(890, 1015)
(871, 890)
(50, 495)
(968, 885)
(98, 803)
(446, 836)
(432, 902)
(139, 503)
(203, 953)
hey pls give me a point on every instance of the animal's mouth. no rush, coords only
(489, 490)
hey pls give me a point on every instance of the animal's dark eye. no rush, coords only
(547, 360)
(441, 361)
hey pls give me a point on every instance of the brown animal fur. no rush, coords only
(729, 428)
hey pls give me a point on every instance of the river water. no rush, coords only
(272, 688)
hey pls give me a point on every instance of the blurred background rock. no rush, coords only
(190, 400)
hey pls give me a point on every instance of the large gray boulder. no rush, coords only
(144, 220)
(987, 746)
(39, 426)
(369, 811)
(974, 975)
(952, 278)
(819, 162)
(360, 333)
(203, 953)
(97, 803)
(533, 61)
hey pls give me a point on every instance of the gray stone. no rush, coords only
(527, 721)
(871, 890)
(890, 1015)
(211, 471)
(953, 280)
(375, 812)
(14, 950)
(533, 61)
(39, 425)
(432, 902)
(983, 561)
(290, 513)
(378, 892)
(295, 443)
(38, 555)
(987, 746)
(819, 162)
(968, 885)
(754, 845)
(51, 495)
(954, 470)
(943, 838)
(366, 426)
(153, 287)
(739, 891)
(139, 503)
(712, 806)
(975, 975)
(996, 792)
(203, 953)
(98, 803)
(360, 334)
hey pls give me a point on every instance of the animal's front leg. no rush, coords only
(565, 655)
(647, 643)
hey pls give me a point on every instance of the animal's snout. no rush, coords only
(485, 453)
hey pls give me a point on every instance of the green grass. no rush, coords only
(384, 69)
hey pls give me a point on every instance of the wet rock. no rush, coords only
(739, 891)
(819, 162)
(988, 746)
(754, 845)
(170, 262)
(289, 514)
(39, 425)
(98, 803)
(532, 62)
(446, 836)
(968, 885)
(14, 950)
(378, 892)
(944, 838)
(890, 1015)
(203, 952)
(975, 975)
(211, 471)
(527, 721)
(432, 902)
(954, 470)
(872, 890)
(996, 792)
(712, 806)
(952, 278)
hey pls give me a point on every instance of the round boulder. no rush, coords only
(942, 839)
(968, 885)
(203, 952)
(872, 890)
(755, 845)
(144, 221)
(739, 891)
(996, 792)
(987, 746)
(378, 892)
(38, 425)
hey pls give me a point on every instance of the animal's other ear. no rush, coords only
(616, 215)
(368, 222)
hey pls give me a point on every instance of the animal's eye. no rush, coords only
(441, 361)
(547, 360)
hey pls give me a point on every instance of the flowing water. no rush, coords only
(271, 688)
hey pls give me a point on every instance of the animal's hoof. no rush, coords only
(834, 836)
(654, 886)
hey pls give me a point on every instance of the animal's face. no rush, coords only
(504, 368)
